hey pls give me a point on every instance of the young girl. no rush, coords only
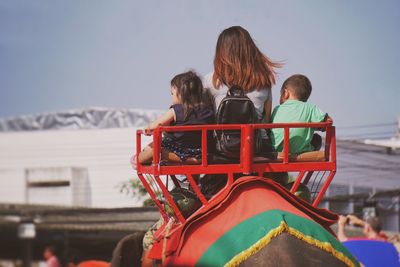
(191, 105)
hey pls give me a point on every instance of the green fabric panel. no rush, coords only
(247, 233)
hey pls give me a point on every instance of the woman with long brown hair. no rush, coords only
(239, 62)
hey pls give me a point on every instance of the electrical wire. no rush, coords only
(367, 126)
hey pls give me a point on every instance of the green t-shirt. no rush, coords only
(295, 111)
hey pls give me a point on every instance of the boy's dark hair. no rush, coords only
(300, 86)
(190, 90)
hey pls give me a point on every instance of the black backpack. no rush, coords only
(235, 108)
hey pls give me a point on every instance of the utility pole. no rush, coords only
(26, 232)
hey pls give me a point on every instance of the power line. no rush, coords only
(367, 126)
(376, 135)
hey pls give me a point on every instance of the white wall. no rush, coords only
(105, 153)
(12, 183)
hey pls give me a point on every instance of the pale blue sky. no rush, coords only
(58, 55)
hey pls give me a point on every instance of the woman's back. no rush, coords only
(258, 97)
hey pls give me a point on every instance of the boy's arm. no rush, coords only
(317, 115)
(163, 120)
(327, 118)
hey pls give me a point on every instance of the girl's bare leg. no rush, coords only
(146, 155)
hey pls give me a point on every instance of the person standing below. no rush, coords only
(49, 255)
(372, 227)
(239, 62)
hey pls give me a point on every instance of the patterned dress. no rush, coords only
(188, 144)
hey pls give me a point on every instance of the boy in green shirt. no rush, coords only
(294, 108)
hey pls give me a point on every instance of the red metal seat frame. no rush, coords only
(246, 164)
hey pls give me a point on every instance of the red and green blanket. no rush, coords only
(243, 221)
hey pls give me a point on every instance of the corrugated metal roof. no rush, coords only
(48, 217)
(88, 118)
(367, 165)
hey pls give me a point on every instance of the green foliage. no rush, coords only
(291, 178)
(148, 203)
(136, 189)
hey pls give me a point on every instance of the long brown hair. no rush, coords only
(239, 62)
(191, 93)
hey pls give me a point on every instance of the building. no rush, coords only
(368, 175)
(63, 173)
(72, 158)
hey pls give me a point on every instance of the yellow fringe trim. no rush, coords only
(283, 227)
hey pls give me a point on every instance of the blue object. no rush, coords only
(373, 253)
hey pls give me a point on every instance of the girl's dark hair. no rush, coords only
(191, 92)
(239, 62)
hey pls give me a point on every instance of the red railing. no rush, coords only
(247, 164)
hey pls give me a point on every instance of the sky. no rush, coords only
(61, 55)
